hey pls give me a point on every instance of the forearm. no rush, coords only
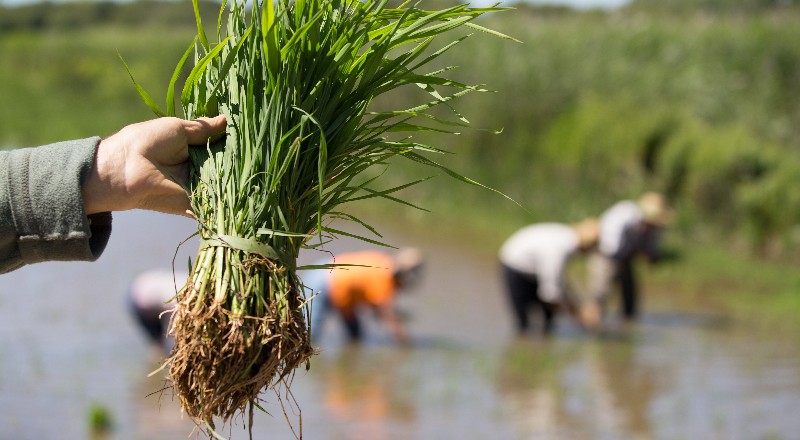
(56, 200)
(395, 324)
(42, 214)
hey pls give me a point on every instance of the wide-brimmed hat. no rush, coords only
(588, 232)
(655, 210)
(408, 264)
(408, 259)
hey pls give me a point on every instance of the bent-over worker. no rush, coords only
(150, 298)
(627, 229)
(364, 280)
(534, 263)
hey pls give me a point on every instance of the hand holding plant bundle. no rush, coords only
(295, 80)
(139, 167)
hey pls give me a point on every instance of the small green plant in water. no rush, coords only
(100, 421)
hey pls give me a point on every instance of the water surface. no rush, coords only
(686, 371)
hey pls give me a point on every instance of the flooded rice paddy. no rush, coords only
(685, 371)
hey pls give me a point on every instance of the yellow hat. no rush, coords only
(655, 210)
(588, 232)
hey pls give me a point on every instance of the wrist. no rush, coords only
(100, 190)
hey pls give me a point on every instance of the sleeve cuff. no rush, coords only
(47, 206)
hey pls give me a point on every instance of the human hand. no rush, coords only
(145, 166)
(590, 315)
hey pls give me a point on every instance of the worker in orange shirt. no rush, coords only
(362, 280)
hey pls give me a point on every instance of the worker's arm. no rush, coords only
(42, 216)
(391, 318)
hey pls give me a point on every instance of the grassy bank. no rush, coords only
(61, 76)
(73, 85)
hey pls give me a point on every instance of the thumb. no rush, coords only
(199, 130)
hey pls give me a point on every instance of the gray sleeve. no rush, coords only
(42, 217)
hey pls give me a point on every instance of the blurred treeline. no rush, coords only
(699, 99)
(60, 73)
(702, 104)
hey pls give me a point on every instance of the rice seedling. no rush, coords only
(296, 80)
(101, 422)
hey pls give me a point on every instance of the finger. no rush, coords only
(199, 130)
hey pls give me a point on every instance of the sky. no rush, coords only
(578, 4)
(582, 4)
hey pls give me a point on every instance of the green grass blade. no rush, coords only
(142, 92)
(201, 33)
(175, 75)
(357, 237)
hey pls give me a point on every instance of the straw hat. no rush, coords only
(407, 259)
(588, 232)
(408, 267)
(655, 210)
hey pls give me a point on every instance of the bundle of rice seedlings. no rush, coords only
(295, 79)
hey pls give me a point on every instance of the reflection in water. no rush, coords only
(687, 379)
(156, 411)
(621, 386)
(556, 390)
(527, 381)
(359, 390)
(577, 389)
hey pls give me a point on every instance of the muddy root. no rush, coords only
(222, 361)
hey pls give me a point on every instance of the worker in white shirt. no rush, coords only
(627, 229)
(534, 263)
(150, 297)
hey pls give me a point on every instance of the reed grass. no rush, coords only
(296, 81)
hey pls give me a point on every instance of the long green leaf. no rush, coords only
(175, 75)
(142, 92)
(201, 33)
(199, 69)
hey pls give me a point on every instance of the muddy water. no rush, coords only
(686, 371)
